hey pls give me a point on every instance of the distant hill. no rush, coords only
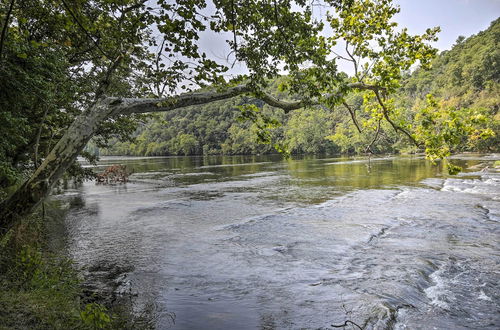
(467, 75)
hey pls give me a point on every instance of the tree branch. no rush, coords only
(106, 81)
(5, 27)
(134, 6)
(352, 58)
(337, 55)
(233, 22)
(38, 135)
(87, 33)
(127, 106)
(140, 105)
(345, 325)
(353, 116)
(396, 127)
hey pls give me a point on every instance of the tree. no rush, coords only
(106, 48)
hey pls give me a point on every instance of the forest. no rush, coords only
(244, 236)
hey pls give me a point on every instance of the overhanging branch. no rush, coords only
(26, 198)
(126, 106)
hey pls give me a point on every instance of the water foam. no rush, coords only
(438, 291)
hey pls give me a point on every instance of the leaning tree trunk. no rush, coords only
(27, 197)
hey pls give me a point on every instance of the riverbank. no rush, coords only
(42, 288)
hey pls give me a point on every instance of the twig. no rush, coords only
(233, 21)
(352, 58)
(369, 147)
(38, 135)
(159, 91)
(341, 57)
(134, 6)
(103, 86)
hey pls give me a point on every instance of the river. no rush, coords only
(259, 242)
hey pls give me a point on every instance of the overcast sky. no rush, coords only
(455, 17)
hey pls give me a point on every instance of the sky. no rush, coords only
(455, 17)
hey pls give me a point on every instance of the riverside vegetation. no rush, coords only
(77, 64)
(41, 289)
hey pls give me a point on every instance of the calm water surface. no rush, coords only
(265, 243)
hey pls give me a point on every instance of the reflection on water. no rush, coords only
(258, 242)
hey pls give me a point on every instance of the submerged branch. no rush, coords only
(345, 324)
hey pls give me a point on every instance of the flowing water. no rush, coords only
(265, 243)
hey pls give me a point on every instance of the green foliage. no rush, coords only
(39, 290)
(443, 130)
(463, 113)
(368, 28)
(367, 31)
(51, 67)
(466, 75)
(307, 129)
(462, 116)
(263, 123)
(95, 316)
(185, 144)
(268, 35)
